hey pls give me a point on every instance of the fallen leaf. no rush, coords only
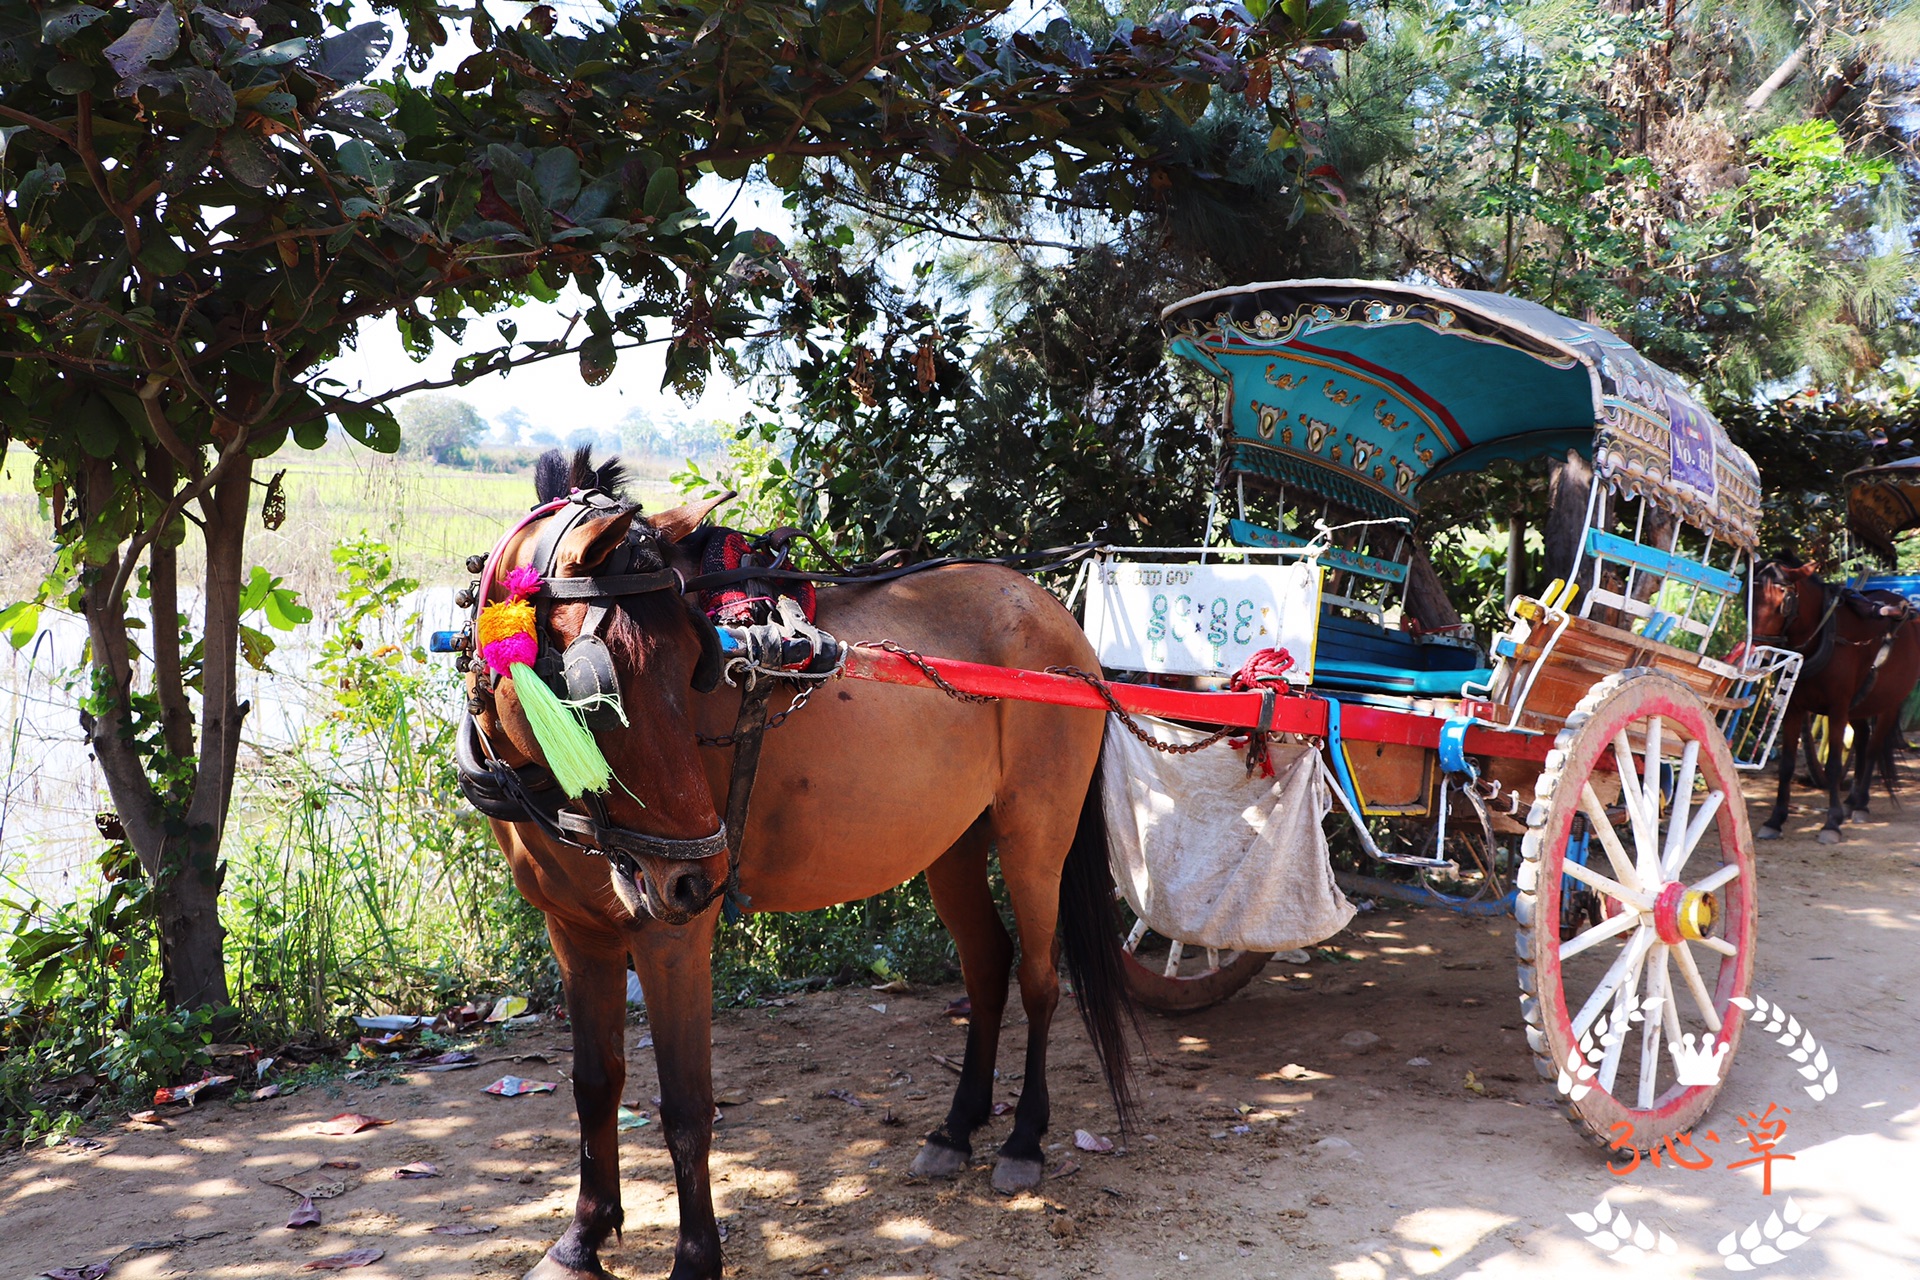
(841, 1095)
(188, 1092)
(1473, 1085)
(898, 984)
(420, 1169)
(1066, 1168)
(1091, 1141)
(261, 1095)
(463, 1229)
(728, 1098)
(342, 1261)
(92, 1271)
(341, 1164)
(351, 1122)
(514, 1086)
(307, 1215)
(453, 1058)
(508, 1007)
(145, 1117)
(1001, 1108)
(961, 1008)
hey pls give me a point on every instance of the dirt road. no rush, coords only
(1318, 1125)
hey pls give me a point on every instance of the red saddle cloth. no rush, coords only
(748, 603)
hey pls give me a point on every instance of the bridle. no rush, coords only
(528, 793)
(1818, 648)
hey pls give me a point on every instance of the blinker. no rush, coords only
(593, 686)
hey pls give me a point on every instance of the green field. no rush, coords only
(433, 516)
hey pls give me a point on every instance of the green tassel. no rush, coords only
(573, 757)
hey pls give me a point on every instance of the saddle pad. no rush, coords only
(1210, 856)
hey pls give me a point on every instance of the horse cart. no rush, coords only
(1581, 773)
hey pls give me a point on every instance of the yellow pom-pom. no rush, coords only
(505, 618)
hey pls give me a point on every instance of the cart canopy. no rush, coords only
(1360, 390)
(1883, 503)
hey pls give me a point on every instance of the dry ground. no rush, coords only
(1352, 1165)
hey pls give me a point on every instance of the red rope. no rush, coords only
(1268, 665)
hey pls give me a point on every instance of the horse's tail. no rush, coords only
(1091, 945)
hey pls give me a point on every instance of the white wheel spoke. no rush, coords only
(1599, 933)
(1729, 872)
(1646, 842)
(1134, 935)
(1629, 782)
(1682, 805)
(1609, 838)
(1629, 958)
(1657, 988)
(1173, 960)
(1702, 818)
(1625, 1000)
(1721, 945)
(1213, 959)
(1691, 972)
(1612, 888)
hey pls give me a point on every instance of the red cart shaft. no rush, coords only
(1299, 713)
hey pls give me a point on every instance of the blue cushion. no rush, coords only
(1371, 675)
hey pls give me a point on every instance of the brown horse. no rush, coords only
(865, 787)
(1861, 662)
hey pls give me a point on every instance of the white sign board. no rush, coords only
(1203, 619)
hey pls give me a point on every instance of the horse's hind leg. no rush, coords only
(1836, 764)
(1030, 862)
(964, 900)
(1870, 752)
(594, 967)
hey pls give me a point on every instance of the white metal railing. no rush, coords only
(1767, 677)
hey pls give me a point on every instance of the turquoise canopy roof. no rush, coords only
(1360, 391)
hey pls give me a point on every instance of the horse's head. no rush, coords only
(1778, 610)
(609, 574)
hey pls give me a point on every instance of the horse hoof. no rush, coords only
(1828, 836)
(1767, 833)
(1012, 1176)
(1858, 815)
(549, 1268)
(937, 1161)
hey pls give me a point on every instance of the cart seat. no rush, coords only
(1371, 677)
(1356, 653)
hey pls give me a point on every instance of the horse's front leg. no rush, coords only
(675, 964)
(1789, 749)
(594, 967)
(1836, 772)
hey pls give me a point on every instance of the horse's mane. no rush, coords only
(555, 475)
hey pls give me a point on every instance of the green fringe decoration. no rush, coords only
(573, 757)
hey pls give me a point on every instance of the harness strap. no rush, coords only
(593, 833)
(749, 732)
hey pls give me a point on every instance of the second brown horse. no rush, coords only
(865, 787)
(1860, 665)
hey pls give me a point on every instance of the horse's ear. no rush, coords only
(587, 545)
(678, 523)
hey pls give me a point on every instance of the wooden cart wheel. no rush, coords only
(1607, 994)
(1170, 976)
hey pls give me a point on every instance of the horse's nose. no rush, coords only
(688, 890)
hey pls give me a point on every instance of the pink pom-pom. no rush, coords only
(521, 582)
(502, 654)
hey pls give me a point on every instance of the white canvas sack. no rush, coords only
(1210, 856)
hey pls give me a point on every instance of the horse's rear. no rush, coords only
(859, 790)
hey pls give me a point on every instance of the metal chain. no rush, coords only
(773, 722)
(1134, 727)
(927, 670)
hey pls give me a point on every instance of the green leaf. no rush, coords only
(148, 40)
(350, 56)
(70, 78)
(209, 100)
(98, 428)
(247, 159)
(253, 592)
(284, 610)
(274, 55)
(661, 188)
(597, 359)
(556, 176)
(507, 168)
(311, 434)
(62, 22)
(366, 162)
(374, 427)
(21, 622)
